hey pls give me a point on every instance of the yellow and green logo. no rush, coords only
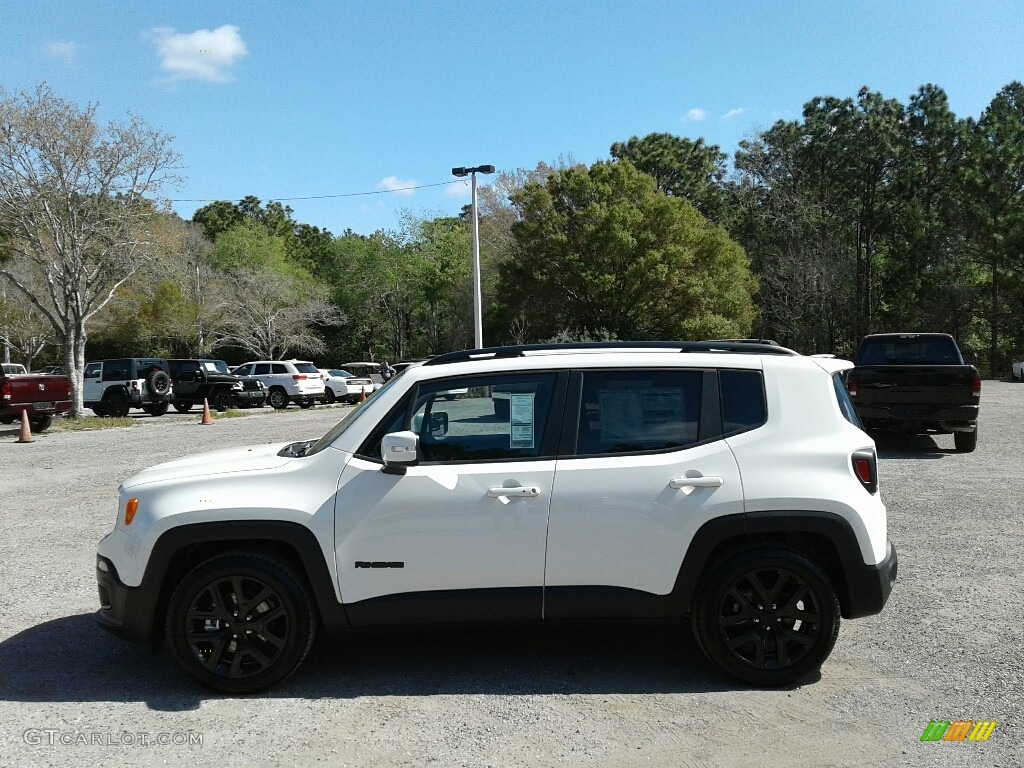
(958, 730)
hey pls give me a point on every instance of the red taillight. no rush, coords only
(851, 384)
(299, 376)
(976, 385)
(865, 467)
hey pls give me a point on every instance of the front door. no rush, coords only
(461, 536)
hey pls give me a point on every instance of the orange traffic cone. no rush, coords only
(362, 394)
(207, 419)
(26, 431)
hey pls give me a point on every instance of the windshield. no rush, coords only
(214, 366)
(350, 418)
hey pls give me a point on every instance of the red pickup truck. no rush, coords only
(41, 396)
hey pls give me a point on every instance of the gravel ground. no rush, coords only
(948, 646)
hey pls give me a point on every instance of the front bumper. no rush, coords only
(127, 612)
(249, 397)
(869, 586)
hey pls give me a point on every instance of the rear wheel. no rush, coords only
(965, 442)
(156, 409)
(278, 398)
(117, 405)
(767, 616)
(40, 423)
(240, 622)
(307, 403)
(183, 407)
(331, 397)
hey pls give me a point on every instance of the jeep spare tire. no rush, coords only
(158, 383)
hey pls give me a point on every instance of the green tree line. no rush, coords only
(864, 215)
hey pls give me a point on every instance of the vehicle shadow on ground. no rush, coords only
(896, 445)
(71, 659)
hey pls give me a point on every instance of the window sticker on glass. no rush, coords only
(521, 412)
(628, 415)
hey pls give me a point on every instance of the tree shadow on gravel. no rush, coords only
(72, 659)
(896, 445)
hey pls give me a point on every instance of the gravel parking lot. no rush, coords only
(949, 645)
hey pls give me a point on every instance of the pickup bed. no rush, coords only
(41, 396)
(916, 383)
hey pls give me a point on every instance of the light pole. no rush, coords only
(478, 319)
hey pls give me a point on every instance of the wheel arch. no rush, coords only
(826, 538)
(181, 549)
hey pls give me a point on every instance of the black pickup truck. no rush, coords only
(917, 383)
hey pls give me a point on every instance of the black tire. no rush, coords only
(966, 442)
(278, 622)
(100, 410)
(40, 423)
(278, 398)
(330, 396)
(183, 407)
(6, 420)
(739, 629)
(221, 400)
(307, 403)
(158, 383)
(116, 404)
(156, 409)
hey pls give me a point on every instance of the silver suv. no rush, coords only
(286, 381)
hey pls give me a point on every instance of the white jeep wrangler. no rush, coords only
(727, 484)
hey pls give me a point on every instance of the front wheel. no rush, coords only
(768, 616)
(240, 622)
(278, 398)
(156, 409)
(331, 397)
(117, 405)
(965, 442)
(307, 403)
(221, 401)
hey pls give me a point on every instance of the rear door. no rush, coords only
(643, 467)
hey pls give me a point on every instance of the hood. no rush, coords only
(253, 458)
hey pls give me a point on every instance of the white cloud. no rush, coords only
(61, 50)
(696, 115)
(460, 190)
(201, 55)
(397, 185)
(733, 113)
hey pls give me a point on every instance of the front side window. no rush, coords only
(243, 370)
(633, 411)
(262, 369)
(92, 370)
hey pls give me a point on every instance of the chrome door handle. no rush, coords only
(519, 491)
(696, 482)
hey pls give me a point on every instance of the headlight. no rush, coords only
(237, 385)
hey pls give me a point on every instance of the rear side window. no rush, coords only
(635, 411)
(845, 403)
(117, 370)
(279, 368)
(743, 404)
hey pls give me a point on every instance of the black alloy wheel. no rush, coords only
(158, 383)
(331, 397)
(117, 405)
(221, 400)
(767, 616)
(240, 622)
(278, 398)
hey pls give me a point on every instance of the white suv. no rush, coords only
(724, 483)
(286, 381)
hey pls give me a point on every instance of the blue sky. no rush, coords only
(283, 100)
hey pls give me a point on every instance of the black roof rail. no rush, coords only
(521, 350)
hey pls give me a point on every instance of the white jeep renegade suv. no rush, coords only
(727, 484)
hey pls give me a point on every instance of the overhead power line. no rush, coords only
(321, 197)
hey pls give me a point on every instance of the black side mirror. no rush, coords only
(439, 423)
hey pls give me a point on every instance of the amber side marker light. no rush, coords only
(130, 509)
